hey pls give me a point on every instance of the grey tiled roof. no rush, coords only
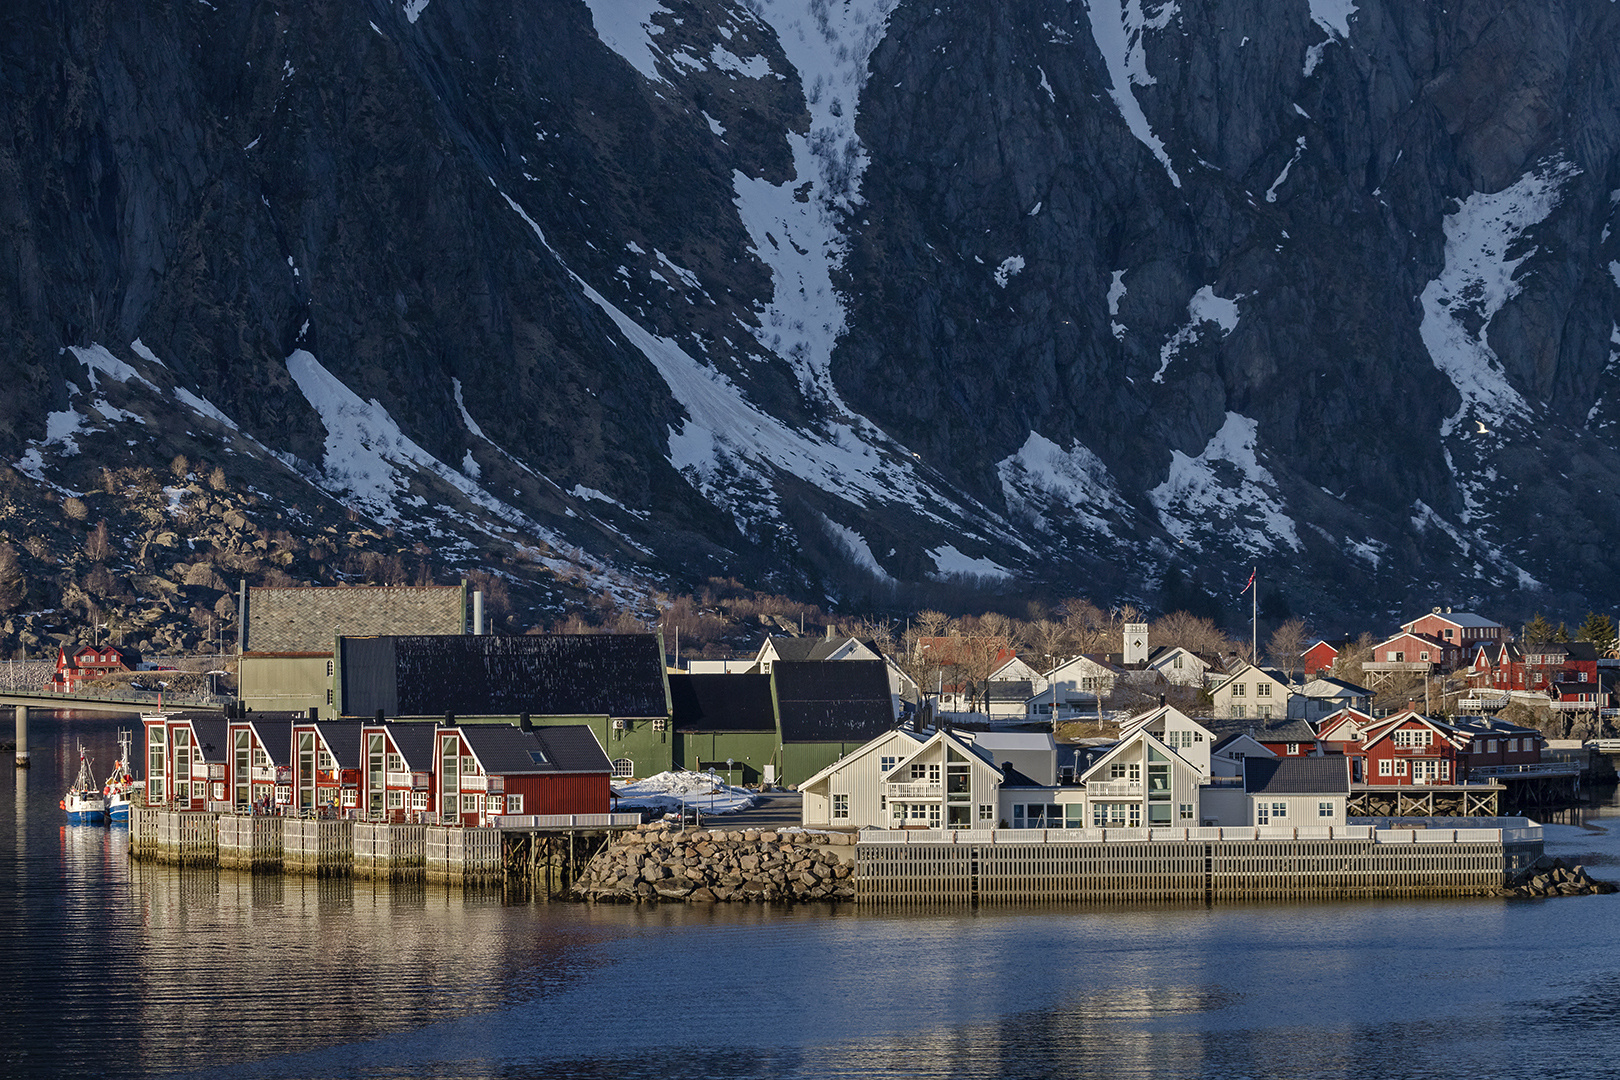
(309, 620)
(1296, 776)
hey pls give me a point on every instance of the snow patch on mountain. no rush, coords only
(949, 562)
(1052, 487)
(1118, 28)
(627, 27)
(1204, 307)
(1010, 266)
(729, 449)
(1333, 16)
(1225, 492)
(856, 547)
(1478, 279)
(796, 229)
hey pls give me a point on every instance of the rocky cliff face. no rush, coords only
(841, 297)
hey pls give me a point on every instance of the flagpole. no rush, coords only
(1254, 623)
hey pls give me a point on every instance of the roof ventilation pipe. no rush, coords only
(478, 613)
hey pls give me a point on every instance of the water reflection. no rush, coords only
(114, 968)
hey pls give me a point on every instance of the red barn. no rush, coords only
(1408, 647)
(483, 771)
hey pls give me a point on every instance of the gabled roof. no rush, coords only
(843, 702)
(1296, 776)
(309, 620)
(1452, 734)
(213, 736)
(342, 738)
(1324, 687)
(721, 703)
(1460, 619)
(1004, 690)
(275, 736)
(910, 740)
(967, 747)
(1333, 721)
(1227, 740)
(1125, 744)
(1427, 639)
(1277, 729)
(1243, 671)
(504, 750)
(620, 675)
(414, 743)
(1161, 713)
(1100, 660)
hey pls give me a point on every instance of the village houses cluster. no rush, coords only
(379, 703)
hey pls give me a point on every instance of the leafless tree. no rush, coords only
(1287, 642)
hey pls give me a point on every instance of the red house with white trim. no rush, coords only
(1407, 748)
(185, 757)
(398, 771)
(1409, 647)
(1462, 629)
(483, 771)
(86, 663)
(326, 767)
(258, 769)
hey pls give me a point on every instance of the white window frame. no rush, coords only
(514, 804)
(840, 806)
(623, 768)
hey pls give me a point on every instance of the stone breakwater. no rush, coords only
(654, 863)
(1558, 879)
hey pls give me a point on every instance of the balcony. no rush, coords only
(1115, 789)
(922, 790)
(1418, 751)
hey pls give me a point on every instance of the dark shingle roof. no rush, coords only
(722, 703)
(342, 738)
(846, 701)
(1296, 776)
(541, 674)
(415, 744)
(1010, 689)
(1275, 730)
(213, 736)
(506, 751)
(276, 735)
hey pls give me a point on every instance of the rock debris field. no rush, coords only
(657, 863)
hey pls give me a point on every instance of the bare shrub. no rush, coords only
(74, 507)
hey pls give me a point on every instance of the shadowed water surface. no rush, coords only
(113, 969)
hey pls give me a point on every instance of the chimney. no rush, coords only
(379, 716)
(478, 614)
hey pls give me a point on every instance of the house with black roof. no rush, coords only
(486, 771)
(397, 783)
(726, 723)
(826, 710)
(614, 683)
(259, 767)
(1296, 792)
(326, 766)
(185, 756)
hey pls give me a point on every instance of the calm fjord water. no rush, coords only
(113, 969)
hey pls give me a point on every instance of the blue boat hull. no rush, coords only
(86, 817)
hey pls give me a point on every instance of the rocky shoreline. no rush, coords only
(659, 864)
(1558, 878)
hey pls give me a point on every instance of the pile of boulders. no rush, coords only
(665, 863)
(1558, 879)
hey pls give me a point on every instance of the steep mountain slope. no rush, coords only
(840, 297)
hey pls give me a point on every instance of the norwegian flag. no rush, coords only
(1250, 585)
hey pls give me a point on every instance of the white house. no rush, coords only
(946, 783)
(1252, 693)
(1227, 756)
(849, 793)
(1141, 782)
(1076, 686)
(1180, 732)
(1179, 666)
(1322, 697)
(1297, 792)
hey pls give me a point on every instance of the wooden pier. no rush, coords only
(541, 854)
(1116, 866)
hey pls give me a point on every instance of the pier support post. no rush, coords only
(22, 736)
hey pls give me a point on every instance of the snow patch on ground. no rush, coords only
(1225, 490)
(466, 417)
(98, 361)
(626, 27)
(1204, 307)
(1011, 265)
(414, 8)
(1478, 279)
(1116, 292)
(952, 563)
(1043, 476)
(203, 407)
(1333, 15)
(1118, 27)
(1370, 551)
(670, 791)
(755, 67)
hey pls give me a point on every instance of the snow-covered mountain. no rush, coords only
(842, 297)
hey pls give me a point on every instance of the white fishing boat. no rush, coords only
(120, 783)
(84, 802)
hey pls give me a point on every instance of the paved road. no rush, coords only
(774, 810)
